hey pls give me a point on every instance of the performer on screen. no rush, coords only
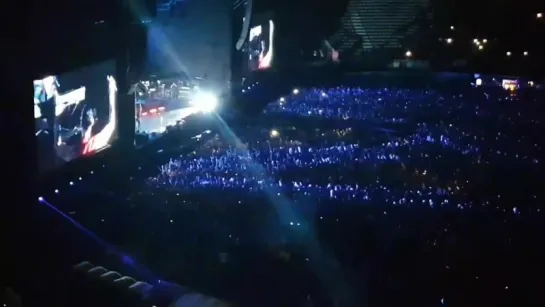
(332, 54)
(255, 47)
(68, 134)
(266, 54)
(138, 115)
(92, 140)
(47, 158)
(45, 94)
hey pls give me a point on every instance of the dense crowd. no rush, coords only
(349, 195)
(437, 162)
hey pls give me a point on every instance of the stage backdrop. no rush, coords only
(193, 37)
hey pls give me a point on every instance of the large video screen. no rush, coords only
(261, 46)
(75, 114)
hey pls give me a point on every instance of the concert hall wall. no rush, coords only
(373, 27)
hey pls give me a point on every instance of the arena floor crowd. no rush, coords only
(344, 196)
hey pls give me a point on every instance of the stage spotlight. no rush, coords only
(204, 101)
(274, 133)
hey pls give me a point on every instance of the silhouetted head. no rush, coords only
(90, 118)
(44, 124)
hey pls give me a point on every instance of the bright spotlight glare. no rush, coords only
(205, 102)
